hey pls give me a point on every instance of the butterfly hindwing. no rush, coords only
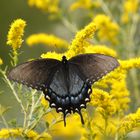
(94, 66)
(59, 84)
(75, 80)
(35, 74)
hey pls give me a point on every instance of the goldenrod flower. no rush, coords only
(7, 133)
(103, 126)
(102, 49)
(112, 81)
(80, 40)
(50, 6)
(121, 94)
(14, 37)
(70, 53)
(1, 61)
(103, 100)
(44, 136)
(53, 55)
(130, 8)
(131, 63)
(84, 4)
(19, 132)
(128, 123)
(46, 39)
(31, 134)
(107, 29)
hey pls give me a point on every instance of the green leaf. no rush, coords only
(3, 109)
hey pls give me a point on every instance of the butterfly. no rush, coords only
(66, 84)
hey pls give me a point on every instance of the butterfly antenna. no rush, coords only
(65, 120)
(82, 120)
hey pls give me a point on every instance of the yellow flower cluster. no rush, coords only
(81, 4)
(80, 40)
(103, 126)
(131, 63)
(14, 38)
(6, 133)
(46, 39)
(84, 4)
(102, 49)
(1, 61)
(19, 132)
(112, 81)
(107, 29)
(130, 8)
(49, 6)
(129, 123)
(121, 94)
(104, 102)
(52, 55)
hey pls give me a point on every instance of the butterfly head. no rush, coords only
(64, 59)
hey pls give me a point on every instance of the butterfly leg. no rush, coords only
(64, 117)
(82, 120)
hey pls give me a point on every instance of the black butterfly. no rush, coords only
(66, 84)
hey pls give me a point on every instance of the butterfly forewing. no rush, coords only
(94, 66)
(35, 74)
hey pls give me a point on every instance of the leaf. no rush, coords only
(3, 109)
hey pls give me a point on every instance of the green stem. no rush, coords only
(33, 107)
(106, 123)
(4, 121)
(69, 25)
(14, 57)
(16, 96)
(35, 122)
(54, 122)
(131, 54)
(106, 9)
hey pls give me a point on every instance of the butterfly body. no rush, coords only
(66, 84)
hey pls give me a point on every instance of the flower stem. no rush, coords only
(106, 9)
(131, 54)
(16, 96)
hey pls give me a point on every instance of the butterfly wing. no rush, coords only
(94, 66)
(58, 82)
(75, 81)
(35, 74)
